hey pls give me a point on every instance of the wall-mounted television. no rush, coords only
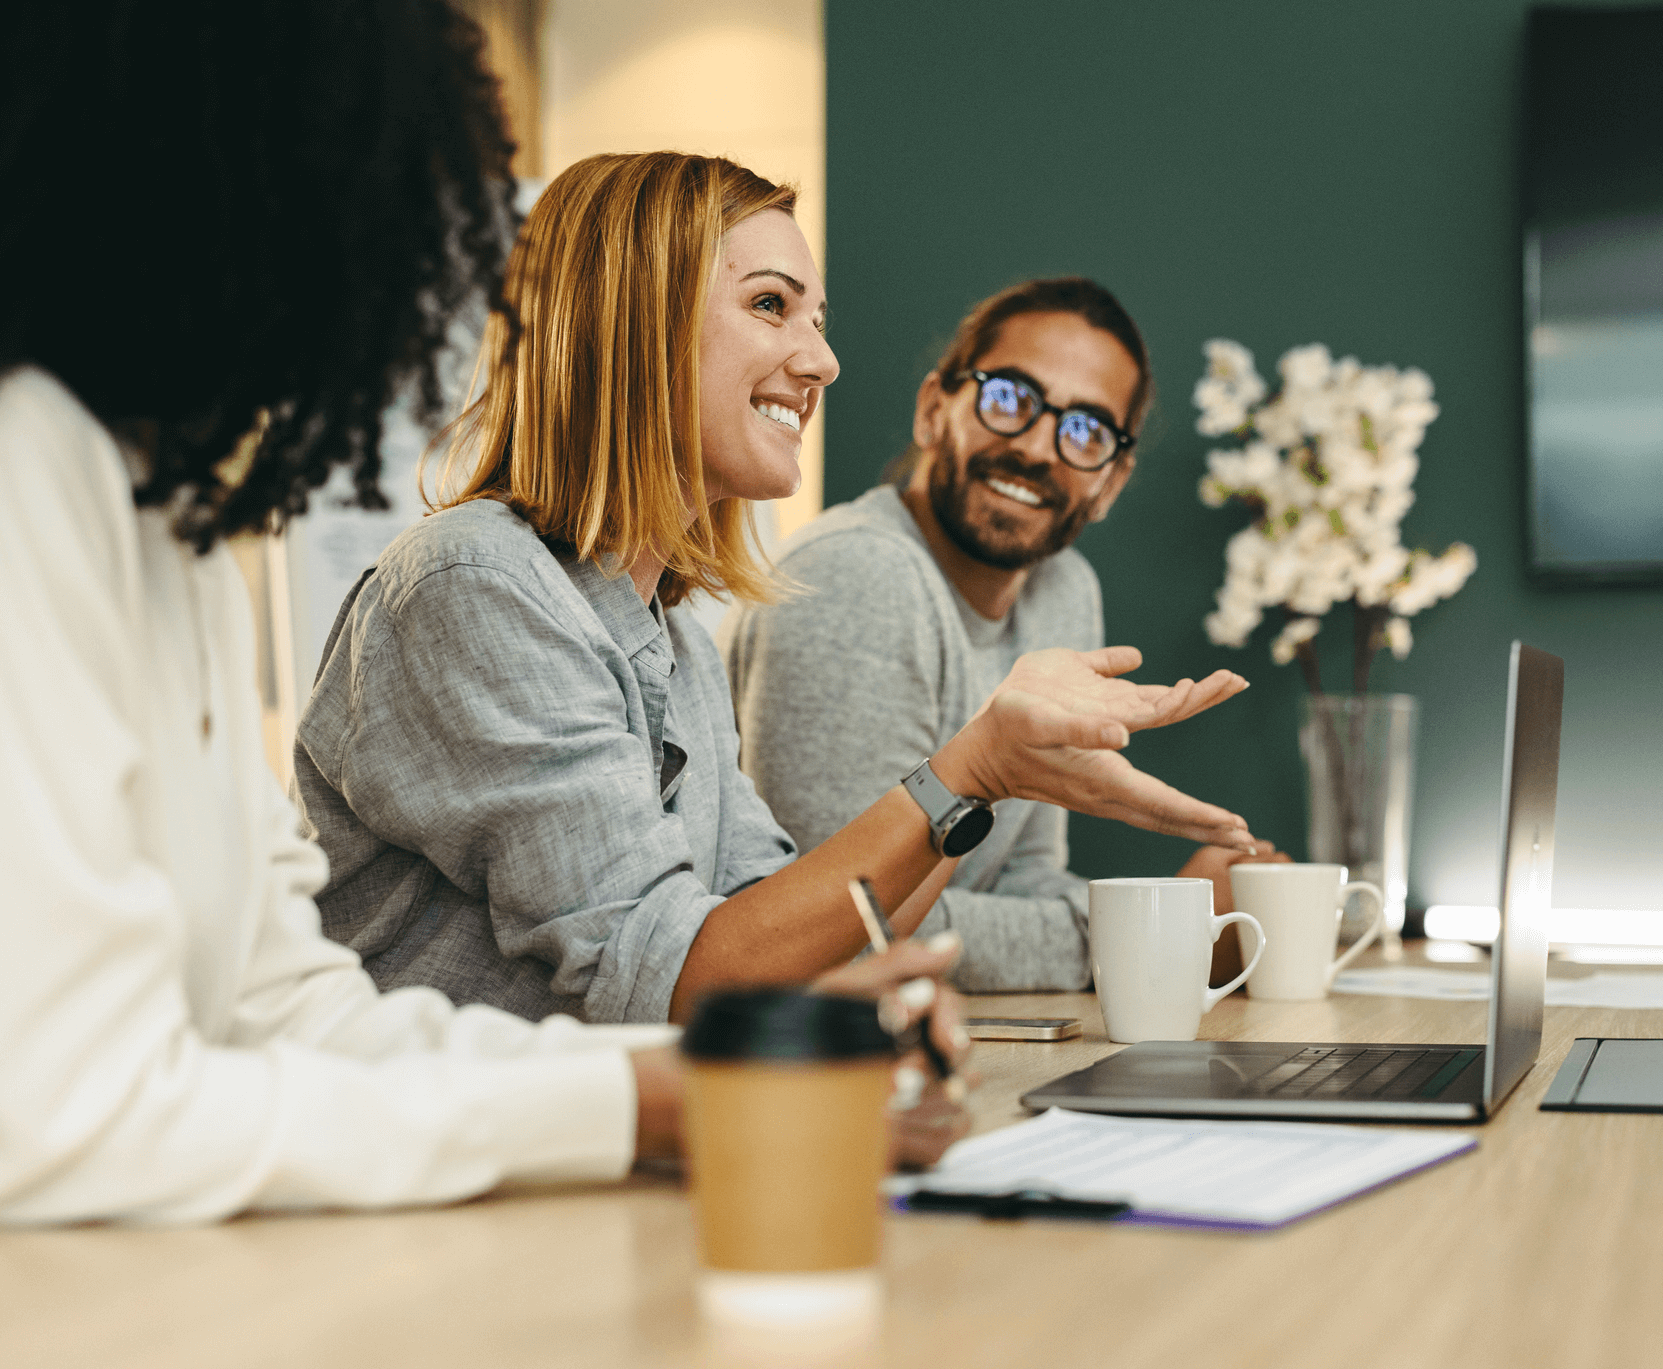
(1593, 279)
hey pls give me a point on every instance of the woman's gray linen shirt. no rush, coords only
(526, 781)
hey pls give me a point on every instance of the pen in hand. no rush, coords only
(914, 993)
(878, 930)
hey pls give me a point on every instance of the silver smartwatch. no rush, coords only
(957, 825)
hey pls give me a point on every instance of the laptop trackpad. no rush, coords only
(1187, 1069)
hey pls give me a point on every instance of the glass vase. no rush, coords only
(1359, 752)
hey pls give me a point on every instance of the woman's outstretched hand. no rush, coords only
(1053, 731)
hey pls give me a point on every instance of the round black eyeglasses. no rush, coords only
(1086, 439)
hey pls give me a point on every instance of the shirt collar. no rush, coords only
(628, 622)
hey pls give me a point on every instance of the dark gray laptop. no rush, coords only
(1406, 1083)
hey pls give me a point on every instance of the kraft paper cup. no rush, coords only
(786, 1140)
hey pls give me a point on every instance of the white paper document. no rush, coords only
(1237, 1175)
(1413, 981)
(1617, 989)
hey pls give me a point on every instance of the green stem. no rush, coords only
(1366, 624)
(1306, 655)
(1365, 629)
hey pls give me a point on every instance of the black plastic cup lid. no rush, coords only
(785, 1024)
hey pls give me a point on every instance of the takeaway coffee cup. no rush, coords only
(1299, 907)
(786, 1140)
(1151, 952)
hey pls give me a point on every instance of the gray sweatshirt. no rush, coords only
(843, 689)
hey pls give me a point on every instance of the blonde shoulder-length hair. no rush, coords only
(587, 424)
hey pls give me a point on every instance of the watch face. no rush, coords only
(967, 832)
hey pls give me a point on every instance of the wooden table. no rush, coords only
(1545, 1248)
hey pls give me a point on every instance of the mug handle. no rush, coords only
(1219, 924)
(1362, 943)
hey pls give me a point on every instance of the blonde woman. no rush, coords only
(520, 755)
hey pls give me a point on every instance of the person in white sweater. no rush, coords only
(178, 1042)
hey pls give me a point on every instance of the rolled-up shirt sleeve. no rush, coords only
(493, 738)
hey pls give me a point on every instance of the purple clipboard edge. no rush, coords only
(1177, 1220)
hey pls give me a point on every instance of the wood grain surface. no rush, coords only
(1543, 1248)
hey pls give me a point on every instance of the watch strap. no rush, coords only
(935, 798)
(957, 824)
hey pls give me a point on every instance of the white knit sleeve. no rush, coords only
(116, 1102)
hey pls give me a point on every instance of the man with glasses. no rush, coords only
(921, 594)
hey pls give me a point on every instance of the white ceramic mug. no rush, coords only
(1299, 906)
(1151, 954)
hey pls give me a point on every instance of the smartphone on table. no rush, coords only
(1022, 1028)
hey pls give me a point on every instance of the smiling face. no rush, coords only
(763, 361)
(1009, 501)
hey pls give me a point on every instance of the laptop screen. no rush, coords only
(1529, 785)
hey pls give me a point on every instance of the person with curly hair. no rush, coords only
(520, 753)
(224, 219)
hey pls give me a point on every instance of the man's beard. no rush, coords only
(997, 540)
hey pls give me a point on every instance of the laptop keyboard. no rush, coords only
(1364, 1072)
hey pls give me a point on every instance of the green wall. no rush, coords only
(1313, 170)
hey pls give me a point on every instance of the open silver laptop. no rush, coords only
(1409, 1083)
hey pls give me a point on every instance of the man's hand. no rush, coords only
(1053, 729)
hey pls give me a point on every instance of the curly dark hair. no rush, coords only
(216, 209)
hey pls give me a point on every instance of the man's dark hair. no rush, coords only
(214, 209)
(978, 331)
